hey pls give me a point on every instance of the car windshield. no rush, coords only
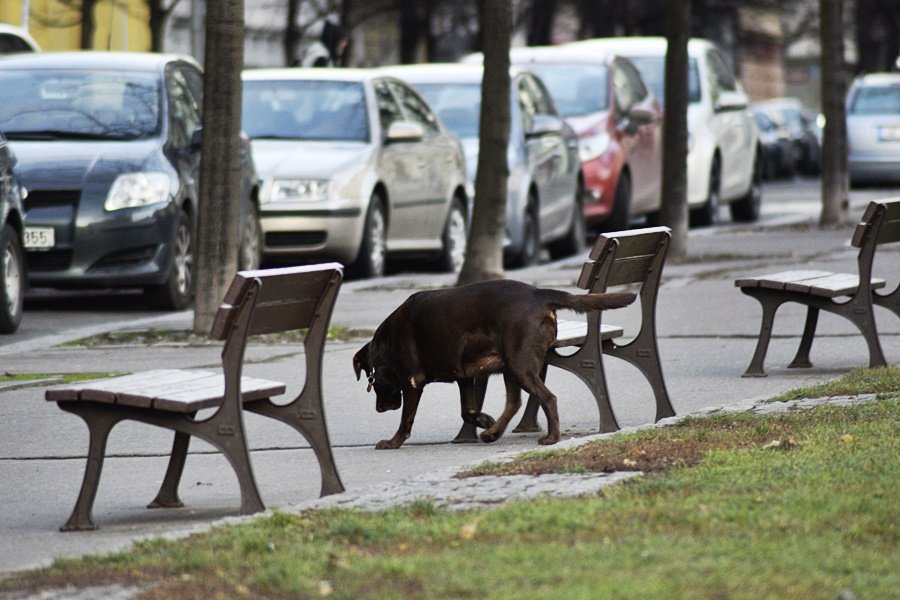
(876, 100)
(457, 104)
(577, 90)
(67, 104)
(305, 110)
(653, 69)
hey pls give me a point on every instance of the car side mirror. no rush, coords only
(543, 125)
(638, 116)
(405, 131)
(195, 144)
(731, 101)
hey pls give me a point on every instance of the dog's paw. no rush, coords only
(548, 440)
(489, 437)
(485, 421)
(386, 445)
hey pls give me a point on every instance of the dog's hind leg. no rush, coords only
(513, 402)
(411, 398)
(534, 386)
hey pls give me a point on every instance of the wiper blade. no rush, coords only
(57, 134)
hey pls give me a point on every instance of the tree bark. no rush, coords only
(674, 207)
(835, 178)
(88, 24)
(291, 33)
(484, 258)
(540, 22)
(220, 171)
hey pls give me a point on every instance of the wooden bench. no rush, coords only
(616, 259)
(257, 302)
(817, 290)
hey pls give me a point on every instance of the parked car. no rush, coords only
(873, 128)
(14, 40)
(545, 183)
(12, 257)
(724, 157)
(618, 121)
(355, 167)
(780, 154)
(799, 123)
(108, 148)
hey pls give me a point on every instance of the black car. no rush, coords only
(107, 147)
(12, 263)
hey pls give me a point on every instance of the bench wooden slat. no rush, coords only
(573, 333)
(632, 242)
(889, 233)
(103, 390)
(623, 271)
(817, 283)
(777, 281)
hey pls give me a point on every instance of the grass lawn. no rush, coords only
(801, 504)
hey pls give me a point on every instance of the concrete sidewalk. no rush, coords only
(706, 330)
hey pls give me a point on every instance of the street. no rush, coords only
(706, 331)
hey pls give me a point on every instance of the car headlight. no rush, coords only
(592, 146)
(299, 190)
(133, 190)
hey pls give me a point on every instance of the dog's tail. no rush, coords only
(582, 303)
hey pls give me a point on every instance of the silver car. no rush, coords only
(545, 184)
(873, 128)
(355, 167)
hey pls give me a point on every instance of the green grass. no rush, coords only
(806, 519)
(62, 377)
(860, 381)
(150, 337)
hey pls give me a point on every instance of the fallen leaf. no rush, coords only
(467, 531)
(629, 462)
(846, 438)
(324, 589)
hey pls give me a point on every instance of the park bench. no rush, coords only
(257, 302)
(818, 290)
(634, 257)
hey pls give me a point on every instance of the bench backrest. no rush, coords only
(881, 219)
(288, 298)
(624, 257)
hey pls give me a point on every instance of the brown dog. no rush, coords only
(459, 333)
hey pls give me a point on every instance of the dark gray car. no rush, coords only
(12, 263)
(107, 148)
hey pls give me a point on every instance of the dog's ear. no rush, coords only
(361, 358)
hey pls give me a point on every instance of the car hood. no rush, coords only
(584, 123)
(71, 164)
(291, 158)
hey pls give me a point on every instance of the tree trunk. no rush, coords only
(540, 22)
(835, 178)
(410, 31)
(158, 16)
(220, 171)
(484, 258)
(88, 24)
(674, 208)
(291, 33)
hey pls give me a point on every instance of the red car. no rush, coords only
(619, 125)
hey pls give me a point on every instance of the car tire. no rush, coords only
(178, 290)
(454, 238)
(371, 258)
(574, 240)
(746, 209)
(12, 280)
(708, 214)
(250, 252)
(619, 218)
(530, 247)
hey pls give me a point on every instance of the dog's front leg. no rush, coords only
(471, 412)
(513, 402)
(411, 398)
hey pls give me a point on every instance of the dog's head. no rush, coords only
(388, 384)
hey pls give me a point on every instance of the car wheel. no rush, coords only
(573, 242)
(454, 239)
(250, 253)
(619, 217)
(12, 280)
(747, 208)
(709, 212)
(370, 259)
(178, 290)
(531, 237)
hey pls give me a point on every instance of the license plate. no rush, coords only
(889, 133)
(39, 238)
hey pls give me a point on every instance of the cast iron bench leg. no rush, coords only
(801, 360)
(769, 307)
(167, 497)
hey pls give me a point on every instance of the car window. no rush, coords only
(577, 89)
(623, 91)
(416, 110)
(653, 71)
(79, 104)
(304, 110)
(721, 77)
(527, 105)
(543, 104)
(639, 90)
(184, 107)
(388, 109)
(11, 44)
(876, 100)
(457, 104)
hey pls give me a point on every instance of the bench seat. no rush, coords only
(174, 390)
(573, 333)
(816, 283)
